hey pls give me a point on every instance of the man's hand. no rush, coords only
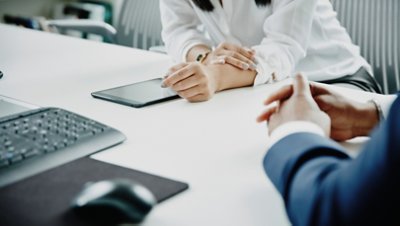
(348, 118)
(295, 103)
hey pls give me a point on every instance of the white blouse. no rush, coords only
(289, 36)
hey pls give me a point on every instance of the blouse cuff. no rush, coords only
(268, 71)
(264, 73)
(188, 47)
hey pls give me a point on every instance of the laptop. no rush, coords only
(34, 139)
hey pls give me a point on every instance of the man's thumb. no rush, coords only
(300, 85)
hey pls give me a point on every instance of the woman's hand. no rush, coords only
(191, 81)
(237, 56)
(198, 81)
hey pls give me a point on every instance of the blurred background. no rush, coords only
(133, 23)
(372, 24)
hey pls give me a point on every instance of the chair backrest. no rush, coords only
(139, 24)
(374, 25)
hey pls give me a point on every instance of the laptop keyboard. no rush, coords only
(50, 130)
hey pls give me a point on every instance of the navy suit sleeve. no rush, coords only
(321, 185)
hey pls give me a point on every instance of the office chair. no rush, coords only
(138, 25)
(374, 26)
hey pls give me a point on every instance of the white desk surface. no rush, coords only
(215, 146)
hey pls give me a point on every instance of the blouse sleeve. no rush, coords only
(287, 33)
(180, 28)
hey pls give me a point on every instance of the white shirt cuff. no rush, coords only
(268, 72)
(264, 73)
(289, 128)
(188, 47)
(386, 103)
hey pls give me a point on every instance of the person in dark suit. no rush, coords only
(319, 182)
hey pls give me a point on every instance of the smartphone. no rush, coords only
(138, 94)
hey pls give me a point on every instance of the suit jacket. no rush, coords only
(321, 185)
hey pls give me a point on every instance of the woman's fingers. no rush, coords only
(249, 64)
(170, 71)
(199, 98)
(191, 92)
(186, 83)
(235, 62)
(234, 58)
(190, 83)
(237, 56)
(179, 75)
(248, 53)
(175, 68)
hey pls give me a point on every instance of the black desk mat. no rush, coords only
(44, 199)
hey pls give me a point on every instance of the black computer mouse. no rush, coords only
(112, 202)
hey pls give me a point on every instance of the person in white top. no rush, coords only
(223, 44)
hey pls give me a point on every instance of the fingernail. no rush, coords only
(249, 50)
(163, 85)
(245, 66)
(220, 61)
(253, 66)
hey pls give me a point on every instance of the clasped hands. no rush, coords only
(197, 81)
(339, 117)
